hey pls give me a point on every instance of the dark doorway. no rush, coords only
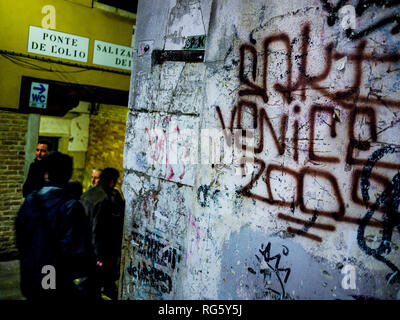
(53, 142)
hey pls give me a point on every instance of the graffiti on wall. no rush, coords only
(391, 207)
(159, 260)
(348, 106)
(270, 268)
(154, 248)
(145, 275)
(164, 148)
(350, 12)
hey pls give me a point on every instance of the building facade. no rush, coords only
(65, 71)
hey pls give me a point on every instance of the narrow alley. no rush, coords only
(255, 145)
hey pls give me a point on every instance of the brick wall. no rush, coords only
(13, 127)
(106, 140)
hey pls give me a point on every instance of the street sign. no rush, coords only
(195, 43)
(112, 55)
(58, 44)
(38, 95)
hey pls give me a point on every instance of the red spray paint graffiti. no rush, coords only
(255, 85)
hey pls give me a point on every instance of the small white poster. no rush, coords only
(112, 55)
(58, 44)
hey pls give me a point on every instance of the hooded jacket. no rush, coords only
(35, 179)
(52, 229)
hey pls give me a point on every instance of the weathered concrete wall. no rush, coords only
(305, 205)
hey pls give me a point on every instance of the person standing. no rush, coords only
(34, 180)
(105, 209)
(53, 235)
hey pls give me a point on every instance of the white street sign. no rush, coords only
(112, 55)
(58, 44)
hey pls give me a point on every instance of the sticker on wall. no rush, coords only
(195, 43)
(38, 95)
(145, 47)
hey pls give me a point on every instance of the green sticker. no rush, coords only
(195, 43)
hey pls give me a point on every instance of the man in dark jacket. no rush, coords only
(35, 180)
(105, 209)
(52, 234)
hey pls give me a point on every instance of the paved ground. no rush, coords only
(9, 281)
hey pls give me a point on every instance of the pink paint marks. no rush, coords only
(195, 226)
(157, 141)
(156, 149)
(183, 173)
(171, 172)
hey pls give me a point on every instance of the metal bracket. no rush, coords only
(191, 56)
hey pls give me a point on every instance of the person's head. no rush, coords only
(58, 168)
(95, 176)
(42, 150)
(74, 189)
(109, 177)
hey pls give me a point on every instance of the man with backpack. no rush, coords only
(53, 237)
